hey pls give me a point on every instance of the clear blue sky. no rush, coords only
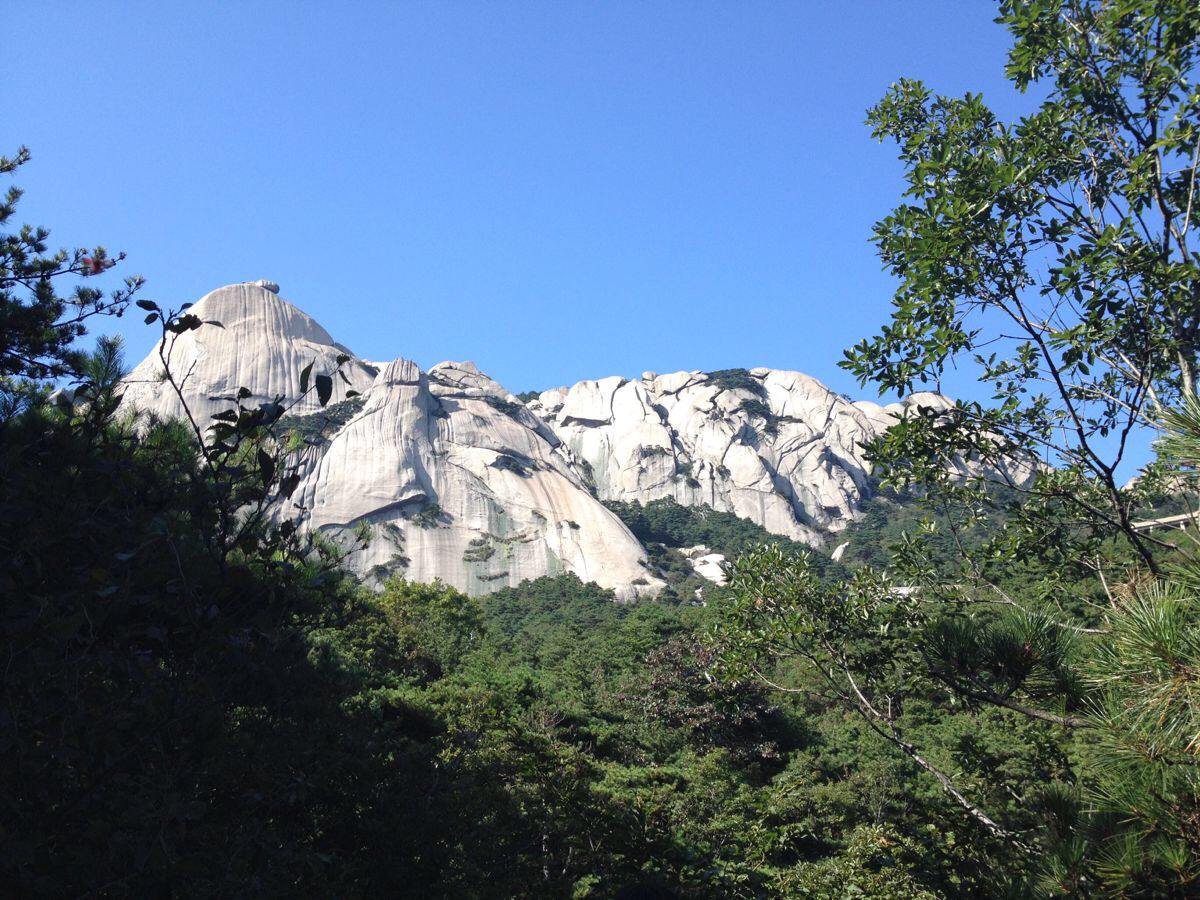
(555, 190)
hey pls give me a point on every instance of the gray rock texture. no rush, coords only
(261, 343)
(458, 480)
(778, 448)
(463, 482)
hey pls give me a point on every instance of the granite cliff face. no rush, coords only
(778, 448)
(458, 480)
(463, 482)
(262, 343)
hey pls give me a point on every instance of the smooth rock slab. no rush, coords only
(457, 479)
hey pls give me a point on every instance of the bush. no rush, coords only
(737, 380)
(510, 409)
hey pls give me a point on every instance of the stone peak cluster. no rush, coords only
(464, 482)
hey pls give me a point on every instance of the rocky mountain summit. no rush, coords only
(462, 481)
(261, 343)
(778, 448)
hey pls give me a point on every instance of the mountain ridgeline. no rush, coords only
(460, 480)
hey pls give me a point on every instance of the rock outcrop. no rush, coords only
(463, 482)
(777, 448)
(707, 564)
(457, 479)
(260, 342)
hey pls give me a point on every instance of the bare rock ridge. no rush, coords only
(262, 343)
(778, 448)
(463, 482)
(459, 481)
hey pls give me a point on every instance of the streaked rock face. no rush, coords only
(463, 482)
(262, 343)
(778, 448)
(459, 481)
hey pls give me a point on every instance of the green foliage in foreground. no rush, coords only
(586, 746)
(164, 726)
(186, 723)
(38, 325)
(1053, 256)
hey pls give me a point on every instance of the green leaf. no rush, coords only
(324, 388)
(266, 465)
(304, 373)
(288, 485)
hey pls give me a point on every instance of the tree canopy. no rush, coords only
(1053, 256)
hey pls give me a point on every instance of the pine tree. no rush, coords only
(39, 326)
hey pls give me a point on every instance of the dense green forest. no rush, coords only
(994, 693)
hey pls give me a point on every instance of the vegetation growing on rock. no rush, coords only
(737, 380)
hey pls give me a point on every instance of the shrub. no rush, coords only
(478, 550)
(319, 427)
(737, 380)
(510, 409)
(507, 463)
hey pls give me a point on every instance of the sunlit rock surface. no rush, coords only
(777, 448)
(707, 564)
(261, 343)
(463, 482)
(458, 480)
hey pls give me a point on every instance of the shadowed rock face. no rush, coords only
(463, 482)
